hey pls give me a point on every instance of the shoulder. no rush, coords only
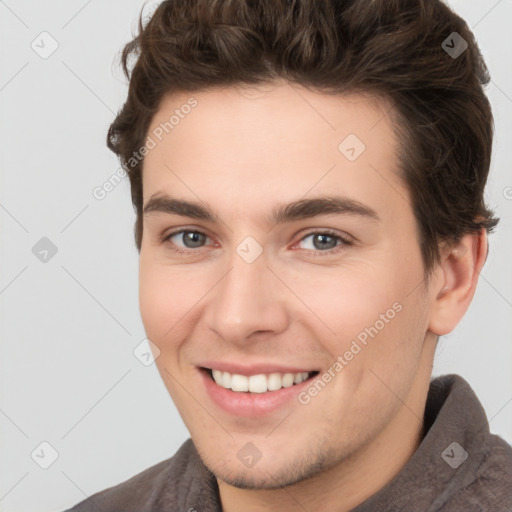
(140, 492)
(490, 488)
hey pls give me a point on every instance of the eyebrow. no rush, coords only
(296, 210)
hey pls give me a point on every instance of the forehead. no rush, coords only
(248, 144)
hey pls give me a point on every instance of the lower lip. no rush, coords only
(250, 404)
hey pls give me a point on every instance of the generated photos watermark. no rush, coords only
(357, 345)
(100, 192)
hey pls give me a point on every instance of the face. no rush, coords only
(279, 239)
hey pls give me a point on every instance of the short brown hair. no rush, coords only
(390, 48)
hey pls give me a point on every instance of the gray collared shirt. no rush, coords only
(458, 467)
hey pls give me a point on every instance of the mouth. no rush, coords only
(256, 395)
(260, 383)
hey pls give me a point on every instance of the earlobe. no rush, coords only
(459, 270)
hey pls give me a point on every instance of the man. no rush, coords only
(308, 179)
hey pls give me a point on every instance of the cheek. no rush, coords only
(159, 303)
(370, 303)
(169, 298)
(346, 298)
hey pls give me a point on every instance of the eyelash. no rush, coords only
(345, 242)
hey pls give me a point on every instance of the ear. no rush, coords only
(458, 273)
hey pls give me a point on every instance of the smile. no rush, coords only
(255, 395)
(260, 383)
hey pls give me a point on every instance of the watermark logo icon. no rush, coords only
(352, 147)
(249, 249)
(146, 352)
(249, 455)
(44, 455)
(44, 250)
(45, 45)
(454, 455)
(455, 45)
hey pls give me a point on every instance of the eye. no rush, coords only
(322, 242)
(191, 239)
(325, 242)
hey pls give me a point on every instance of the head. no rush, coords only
(245, 107)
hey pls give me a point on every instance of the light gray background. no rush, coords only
(69, 326)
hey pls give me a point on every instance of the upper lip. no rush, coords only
(253, 369)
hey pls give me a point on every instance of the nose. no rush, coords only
(249, 299)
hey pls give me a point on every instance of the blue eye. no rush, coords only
(194, 238)
(323, 242)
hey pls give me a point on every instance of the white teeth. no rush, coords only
(260, 383)
(226, 380)
(274, 382)
(217, 375)
(239, 382)
(257, 383)
(298, 378)
(288, 380)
